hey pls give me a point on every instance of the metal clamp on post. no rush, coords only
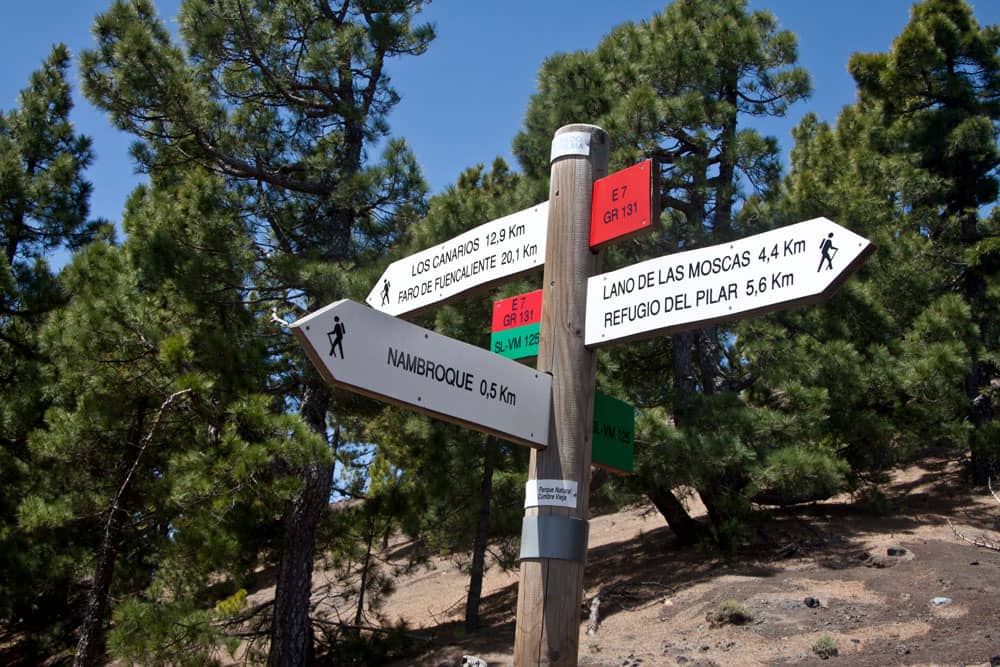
(562, 537)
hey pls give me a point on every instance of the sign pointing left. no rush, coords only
(398, 362)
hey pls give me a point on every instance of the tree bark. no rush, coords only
(359, 613)
(90, 648)
(479, 545)
(687, 530)
(291, 629)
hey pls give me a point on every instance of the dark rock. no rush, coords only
(812, 603)
(995, 661)
(896, 551)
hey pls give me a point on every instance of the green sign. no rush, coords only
(614, 434)
(516, 343)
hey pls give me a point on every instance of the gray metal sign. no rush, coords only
(387, 358)
(486, 255)
(792, 266)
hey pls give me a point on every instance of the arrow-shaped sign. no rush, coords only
(792, 266)
(395, 361)
(480, 258)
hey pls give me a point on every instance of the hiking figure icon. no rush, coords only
(385, 292)
(829, 251)
(336, 337)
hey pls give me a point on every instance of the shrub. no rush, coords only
(825, 647)
(729, 611)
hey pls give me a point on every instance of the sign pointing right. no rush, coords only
(792, 266)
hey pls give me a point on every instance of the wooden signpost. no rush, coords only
(552, 409)
(554, 531)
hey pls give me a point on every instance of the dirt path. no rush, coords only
(826, 574)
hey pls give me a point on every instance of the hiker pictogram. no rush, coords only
(829, 251)
(336, 337)
(385, 292)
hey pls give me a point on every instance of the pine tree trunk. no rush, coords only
(359, 614)
(985, 464)
(291, 629)
(676, 515)
(479, 545)
(90, 647)
(687, 530)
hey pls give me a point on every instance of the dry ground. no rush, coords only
(877, 608)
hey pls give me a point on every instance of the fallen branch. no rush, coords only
(983, 542)
(622, 592)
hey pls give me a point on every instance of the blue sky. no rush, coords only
(463, 101)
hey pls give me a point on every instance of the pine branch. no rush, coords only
(146, 441)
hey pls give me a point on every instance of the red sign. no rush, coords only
(517, 311)
(624, 204)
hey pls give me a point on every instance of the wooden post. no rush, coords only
(554, 535)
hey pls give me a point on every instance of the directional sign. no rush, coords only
(387, 358)
(614, 434)
(517, 343)
(795, 265)
(479, 258)
(624, 204)
(516, 311)
(517, 325)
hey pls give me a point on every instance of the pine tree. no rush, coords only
(156, 455)
(284, 99)
(44, 207)
(938, 94)
(880, 373)
(677, 88)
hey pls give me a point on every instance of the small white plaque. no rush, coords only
(550, 493)
(570, 143)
